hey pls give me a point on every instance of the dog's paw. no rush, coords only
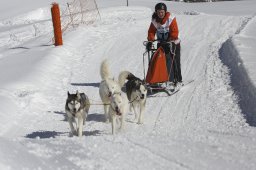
(75, 133)
(70, 134)
(135, 120)
(140, 122)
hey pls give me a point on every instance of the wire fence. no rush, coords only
(79, 12)
(15, 31)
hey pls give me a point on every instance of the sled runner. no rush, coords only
(159, 77)
(162, 92)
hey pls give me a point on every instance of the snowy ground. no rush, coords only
(209, 124)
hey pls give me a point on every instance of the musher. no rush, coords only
(164, 26)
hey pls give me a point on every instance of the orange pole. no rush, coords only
(56, 24)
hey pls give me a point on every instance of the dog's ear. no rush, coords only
(143, 81)
(137, 82)
(78, 94)
(68, 93)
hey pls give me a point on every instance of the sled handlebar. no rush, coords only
(152, 48)
(160, 41)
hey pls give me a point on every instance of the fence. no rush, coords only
(79, 12)
(17, 30)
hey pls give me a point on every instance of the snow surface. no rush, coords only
(209, 124)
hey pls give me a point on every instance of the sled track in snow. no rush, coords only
(159, 156)
(240, 80)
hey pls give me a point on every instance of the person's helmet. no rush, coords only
(160, 6)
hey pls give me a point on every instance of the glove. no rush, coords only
(149, 45)
(176, 41)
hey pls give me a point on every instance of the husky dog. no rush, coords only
(77, 107)
(136, 92)
(108, 86)
(117, 110)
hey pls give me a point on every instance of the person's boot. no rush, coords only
(170, 86)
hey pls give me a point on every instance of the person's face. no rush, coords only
(160, 13)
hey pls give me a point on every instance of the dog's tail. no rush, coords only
(104, 70)
(124, 75)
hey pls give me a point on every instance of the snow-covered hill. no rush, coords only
(209, 124)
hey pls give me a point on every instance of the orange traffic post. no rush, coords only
(56, 24)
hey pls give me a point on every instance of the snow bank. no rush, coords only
(238, 54)
(11, 8)
(17, 30)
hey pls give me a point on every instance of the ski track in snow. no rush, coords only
(176, 128)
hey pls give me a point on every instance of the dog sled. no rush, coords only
(160, 76)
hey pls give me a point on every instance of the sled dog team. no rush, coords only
(115, 102)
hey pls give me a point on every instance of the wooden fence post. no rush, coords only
(56, 24)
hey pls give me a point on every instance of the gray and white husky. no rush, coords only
(77, 108)
(136, 91)
(108, 86)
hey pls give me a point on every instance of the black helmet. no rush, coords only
(160, 6)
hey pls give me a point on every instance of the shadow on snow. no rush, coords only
(54, 134)
(86, 84)
(44, 134)
(240, 81)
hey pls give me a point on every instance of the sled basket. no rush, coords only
(157, 69)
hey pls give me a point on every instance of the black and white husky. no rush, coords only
(136, 92)
(108, 86)
(77, 108)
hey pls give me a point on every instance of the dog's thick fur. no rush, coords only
(118, 110)
(77, 107)
(107, 88)
(136, 92)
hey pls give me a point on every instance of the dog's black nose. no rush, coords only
(142, 96)
(109, 94)
(118, 111)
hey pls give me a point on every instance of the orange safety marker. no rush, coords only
(56, 24)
